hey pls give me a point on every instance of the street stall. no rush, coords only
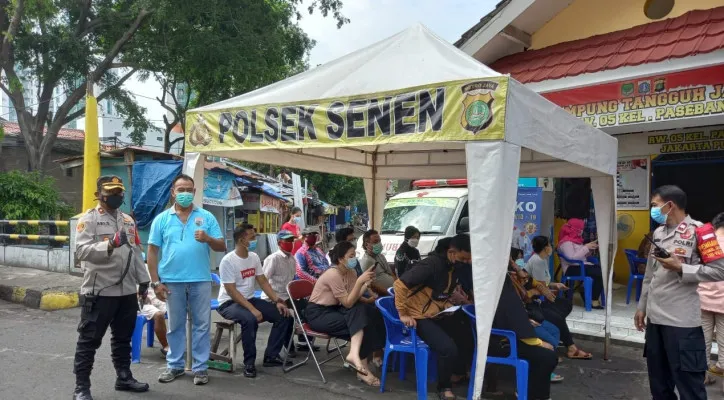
(414, 106)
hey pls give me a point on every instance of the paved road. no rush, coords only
(36, 352)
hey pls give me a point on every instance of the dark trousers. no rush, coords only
(675, 357)
(541, 363)
(249, 326)
(554, 317)
(342, 322)
(117, 312)
(451, 338)
(593, 271)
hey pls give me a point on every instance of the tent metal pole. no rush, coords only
(373, 207)
(609, 300)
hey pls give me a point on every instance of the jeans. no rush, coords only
(249, 326)
(548, 333)
(451, 338)
(198, 296)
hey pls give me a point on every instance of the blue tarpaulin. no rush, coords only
(151, 188)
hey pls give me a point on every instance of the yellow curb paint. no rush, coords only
(58, 301)
(18, 294)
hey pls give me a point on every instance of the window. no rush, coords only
(68, 172)
(657, 9)
(159, 138)
(109, 107)
(117, 134)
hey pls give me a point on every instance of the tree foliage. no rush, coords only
(217, 48)
(338, 190)
(28, 195)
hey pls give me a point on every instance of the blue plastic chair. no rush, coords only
(521, 366)
(137, 337)
(215, 280)
(391, 291)
(634, 276)
(586, 280)
(398, 341)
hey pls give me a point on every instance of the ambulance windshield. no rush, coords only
(431, 216)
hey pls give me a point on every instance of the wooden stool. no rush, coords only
(226, 359)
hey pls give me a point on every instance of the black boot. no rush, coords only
(125, 382)
(82, 392)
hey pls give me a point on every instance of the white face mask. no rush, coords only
(413, 242)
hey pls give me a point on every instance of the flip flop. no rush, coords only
(714, 370)
(580, 355)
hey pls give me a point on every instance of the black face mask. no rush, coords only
(113, 201)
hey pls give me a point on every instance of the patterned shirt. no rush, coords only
(311, 263)
(279, 269)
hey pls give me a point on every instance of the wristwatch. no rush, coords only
(154, 285)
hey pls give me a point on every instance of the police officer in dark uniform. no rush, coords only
(669, 307)
(108, 247)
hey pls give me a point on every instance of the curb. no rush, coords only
(48, 300)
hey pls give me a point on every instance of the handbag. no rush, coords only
(534, 312)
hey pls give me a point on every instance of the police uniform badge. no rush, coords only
(477, 105)
(199, 221)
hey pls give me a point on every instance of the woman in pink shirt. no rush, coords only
(711, 295)
(570, 244)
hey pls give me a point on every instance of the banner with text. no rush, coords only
(527, 219)
(680, 95)
(710, 138)
(632, 183)
(450, 111)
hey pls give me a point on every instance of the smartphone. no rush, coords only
(658, 250)
(374, 267)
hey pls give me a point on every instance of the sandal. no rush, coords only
(716, 371)
(580, 355)
(355, 368)
(369, 380)
(441, 395)
(709, 381)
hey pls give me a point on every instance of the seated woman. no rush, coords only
(335, 309)
(426, 290)
(511, 315)
(570, 244)
(555, 309)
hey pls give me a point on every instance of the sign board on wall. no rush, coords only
(527, 219)
(632, 184)
(672, 141)
(657, 98)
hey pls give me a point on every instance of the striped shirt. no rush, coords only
(279, 269)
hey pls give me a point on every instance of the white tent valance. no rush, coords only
(448, 116)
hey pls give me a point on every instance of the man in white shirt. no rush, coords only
(279, 269)
(239, 271)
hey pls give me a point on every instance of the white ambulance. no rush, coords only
(439, 208)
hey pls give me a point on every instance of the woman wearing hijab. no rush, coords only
(408, 252)
(570, 244)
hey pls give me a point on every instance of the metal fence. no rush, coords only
(52, 225)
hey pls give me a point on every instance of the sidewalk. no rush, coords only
(39, 289)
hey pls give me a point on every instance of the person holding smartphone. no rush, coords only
(570, 244)
(669, 307)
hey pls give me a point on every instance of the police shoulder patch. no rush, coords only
(80, 227)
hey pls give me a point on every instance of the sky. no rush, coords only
(370, 22)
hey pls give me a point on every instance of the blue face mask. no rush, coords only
(352, 263)
(297, 220)
(252, 245)
(520, 262)
(184, 199)
(657, 215)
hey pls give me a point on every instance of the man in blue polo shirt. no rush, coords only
(181, 275)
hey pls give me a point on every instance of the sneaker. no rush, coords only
(170, 375)
(303, 348)
(250, 371)
(275, 362)
(201, 378)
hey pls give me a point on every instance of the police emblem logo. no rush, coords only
(115, 180)
(199, 221)
(80, 227)
(659, 85)
(477, 105)
(199, 134)
(679, 251)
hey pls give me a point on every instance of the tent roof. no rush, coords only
(413, 57)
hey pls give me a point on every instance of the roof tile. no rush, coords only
(696, 32)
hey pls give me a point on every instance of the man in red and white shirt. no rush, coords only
(239, 271)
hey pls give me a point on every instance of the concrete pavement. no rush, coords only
(39, 289)
(37, 347)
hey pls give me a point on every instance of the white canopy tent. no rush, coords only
(448, 116)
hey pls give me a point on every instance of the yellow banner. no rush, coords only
(450, 111)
